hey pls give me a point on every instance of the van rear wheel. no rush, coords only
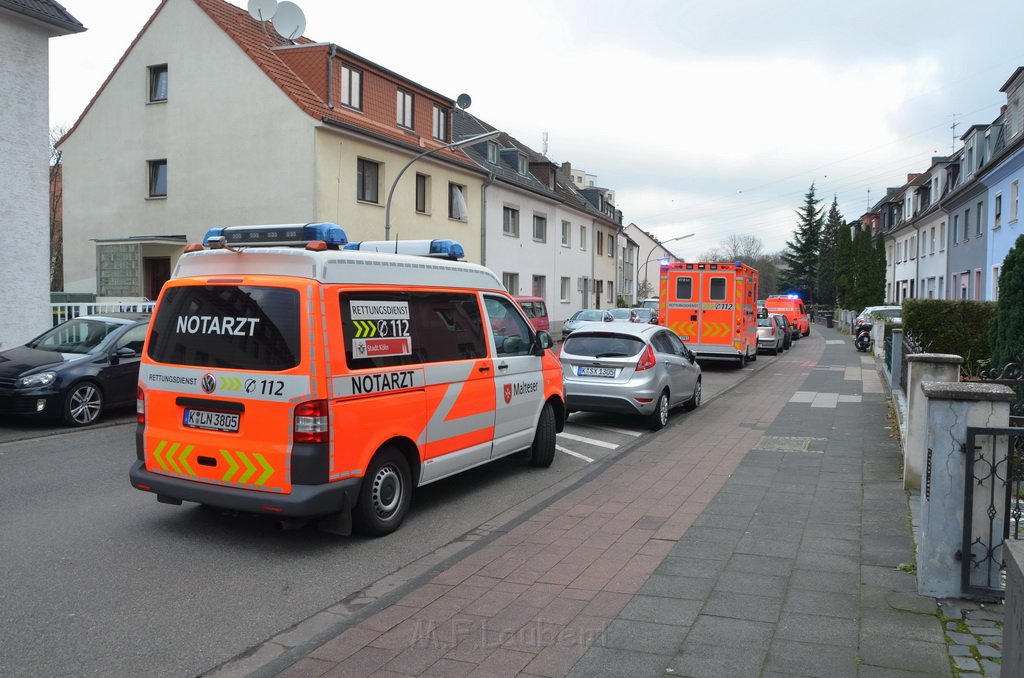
(385, 494)
(542, 452)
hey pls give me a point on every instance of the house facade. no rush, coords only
(276, 132)
(25, 31)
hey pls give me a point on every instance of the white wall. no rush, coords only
(24, 178)
(238, 150)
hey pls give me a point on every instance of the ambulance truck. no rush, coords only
(712, 306)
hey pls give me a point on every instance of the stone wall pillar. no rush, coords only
(922, 367)
(896, 361)
(1013, 627)
(952, 407)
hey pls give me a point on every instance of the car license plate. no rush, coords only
(586, 371)
(211, 421)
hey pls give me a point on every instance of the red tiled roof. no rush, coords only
(299, 70)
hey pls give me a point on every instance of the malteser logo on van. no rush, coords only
(214, 324)
(381, 328)
(520, 388)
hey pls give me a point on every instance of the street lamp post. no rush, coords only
(486, 136)
(661, 245)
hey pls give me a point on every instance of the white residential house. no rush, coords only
(25, 31)
(211, 118)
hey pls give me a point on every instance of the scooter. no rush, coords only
(863, 340)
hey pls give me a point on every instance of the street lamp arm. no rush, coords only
(662, 246)
(394, 184)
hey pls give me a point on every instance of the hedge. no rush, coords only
(952, 326)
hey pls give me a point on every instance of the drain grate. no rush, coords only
(787, 444)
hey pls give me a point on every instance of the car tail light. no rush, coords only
(311, 422)
(647, 359)
(140, 405)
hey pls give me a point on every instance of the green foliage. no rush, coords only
(844, 268)
(620, 301)
(801, 254)
(825, 289)
(956, 326)
(1006, 334)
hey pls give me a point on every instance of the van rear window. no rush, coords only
(387, 329)
(228, 327)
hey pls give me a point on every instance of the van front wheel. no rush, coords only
(385, 494)
(542, 452)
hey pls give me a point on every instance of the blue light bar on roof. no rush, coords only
(445, 249)
(278, 234)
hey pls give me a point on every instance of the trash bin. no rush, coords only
(828, 320)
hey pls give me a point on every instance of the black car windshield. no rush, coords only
(75, 336)
(603, 345)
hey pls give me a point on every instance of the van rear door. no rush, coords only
(224, 371)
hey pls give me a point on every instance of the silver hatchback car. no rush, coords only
(629, 368)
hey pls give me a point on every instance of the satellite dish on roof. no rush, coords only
(262, 10)
(289, 21)
(464, 101)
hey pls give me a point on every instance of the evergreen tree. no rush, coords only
(825, 289)
(876, 284)
(1006, 332)
(801, 255)
(863, 265)
(844, 267)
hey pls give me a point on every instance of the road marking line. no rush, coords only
(589, 441)
(611, 429)
(574, 454)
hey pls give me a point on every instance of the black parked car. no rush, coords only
(75, 370)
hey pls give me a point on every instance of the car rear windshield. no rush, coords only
(603, 345)
(228, 327)
(764, 322)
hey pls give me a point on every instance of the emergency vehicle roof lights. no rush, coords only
(275, 234)
(443, 249)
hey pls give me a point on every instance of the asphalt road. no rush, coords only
(98, 579)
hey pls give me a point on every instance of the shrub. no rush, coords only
(952, 326)
(1007, 331)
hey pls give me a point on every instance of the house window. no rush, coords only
(158, 83)
(510, 222)
(995, 283)
(942, 236)
(977, 221)
(956, 228)
(967, 223)
(403, 109)
(583, 238)
(521, 168)
(600, 245)
(924, 246)
(540, 284)
(611, 292)
(540, 228)
(978, 292)
(158, 178)
(566, 233)
(351, 87)
(611, 245)
(1014, 200)
(367, 176)
(931, 249)
(492, 152)
(422, 191)
(457, 208)
(511, 282)
(440, 123)
(912, 246)
(998, 221)
(563, 289)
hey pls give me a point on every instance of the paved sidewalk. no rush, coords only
(760, 535)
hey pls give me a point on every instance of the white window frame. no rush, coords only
(583, 238)
(611, 245)
(351, 87)
(565, 289)
(541, 221)
(566, 233)
(1014, 200)
(942, 236)
(440, 122)
(405, 115)
(998, 211)
(510, 281)
(510, 221)
(158, 84)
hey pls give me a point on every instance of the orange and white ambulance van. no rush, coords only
(286, 376)
(712, 306)
(791, 306)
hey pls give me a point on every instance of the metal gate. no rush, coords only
(993, 487)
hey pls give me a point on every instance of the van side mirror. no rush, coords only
(542, 342)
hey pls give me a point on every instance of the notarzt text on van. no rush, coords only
(212, 324)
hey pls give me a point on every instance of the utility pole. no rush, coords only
(953, 127)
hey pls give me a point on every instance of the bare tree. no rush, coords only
(56, 211)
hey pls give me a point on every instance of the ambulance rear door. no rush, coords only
(682, 304)
(718, 311)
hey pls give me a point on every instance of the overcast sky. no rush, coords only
(709, 117)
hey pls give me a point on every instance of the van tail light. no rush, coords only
(140, 405)
(311, 422)
(647, 360)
